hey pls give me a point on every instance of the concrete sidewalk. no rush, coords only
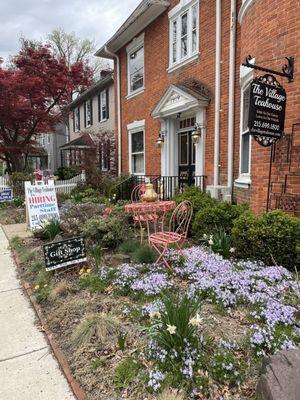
(28, 369)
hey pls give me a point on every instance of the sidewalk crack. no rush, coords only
(23, 354)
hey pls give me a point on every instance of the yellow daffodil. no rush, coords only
(88, 270)
(171, 329)
(81, 272)
(36, 287)
(45, 285)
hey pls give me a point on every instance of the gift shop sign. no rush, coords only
(267, 109)
(41, 204)
(64, 253)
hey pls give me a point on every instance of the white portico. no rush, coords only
(181, 109)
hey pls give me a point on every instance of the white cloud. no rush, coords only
(33, 19)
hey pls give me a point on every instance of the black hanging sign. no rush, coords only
(266, 110)
(64, 253)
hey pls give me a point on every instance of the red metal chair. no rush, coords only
(137, 193)
(177, 233)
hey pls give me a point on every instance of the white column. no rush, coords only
(200, 146)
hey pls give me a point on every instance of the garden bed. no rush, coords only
(104, 320)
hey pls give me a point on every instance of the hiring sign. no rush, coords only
(267, 109)
(41, 204)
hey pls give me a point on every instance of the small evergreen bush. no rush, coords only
(220, 215)
(126, 373)
(144, 255)
(273, 238)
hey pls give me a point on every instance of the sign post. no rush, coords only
(267, 110)
(41, 204)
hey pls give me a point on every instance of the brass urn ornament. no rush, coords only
(150, 195)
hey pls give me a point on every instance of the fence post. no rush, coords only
(83, 175)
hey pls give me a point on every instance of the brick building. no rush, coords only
(182, 94)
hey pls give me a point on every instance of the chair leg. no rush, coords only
(161, 255)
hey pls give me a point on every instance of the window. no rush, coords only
(49, 139)
(76, 119)
(103, 105)
(88, 113)
(137, 152)
(184, 32)
(135, 52)
(104, 155)
(245, 137)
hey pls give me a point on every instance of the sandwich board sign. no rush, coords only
(41, 203)
(64, 253)
(6, 195)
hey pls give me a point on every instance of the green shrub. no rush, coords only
(16, 181)
(65, 173)
(196, 196)
(86, 194)
(273, 238)
(126, 373)
(144, 255)
(220, 242)
(92, 282)
(108, 232)
(220, 215)
(74, 216)
(129, 247)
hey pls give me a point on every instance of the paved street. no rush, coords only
(28, 370)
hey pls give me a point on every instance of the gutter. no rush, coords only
(231, 94)
(114, 55)
(217, 97)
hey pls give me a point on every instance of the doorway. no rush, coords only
(186, 158)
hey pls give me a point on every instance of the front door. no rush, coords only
(186, 158)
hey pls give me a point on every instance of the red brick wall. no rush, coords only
(269, 31)
(157, 81)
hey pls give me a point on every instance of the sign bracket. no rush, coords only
(287, 69)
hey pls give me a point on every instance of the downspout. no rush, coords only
(217, 97)
(114, 55)
(231, 96)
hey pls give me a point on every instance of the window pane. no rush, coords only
(184, 36)
(138, 163)
(136, 68)
(137, 142)
(245, 150)
(183, 157)
(174, 41)
(246, 102)
(194, 17)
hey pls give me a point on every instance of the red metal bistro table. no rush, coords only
(150, 214)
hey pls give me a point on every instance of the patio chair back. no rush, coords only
(181, 218)
(137, 192)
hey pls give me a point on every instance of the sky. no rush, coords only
(34, 19)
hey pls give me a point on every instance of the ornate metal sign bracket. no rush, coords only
(287, 69)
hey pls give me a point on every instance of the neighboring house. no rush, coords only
(91, 125)
(183, 93)
(47, 154)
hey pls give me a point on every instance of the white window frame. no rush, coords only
(244, 179)
(102, 105)
(88, 103)
(185, 6)
(77, 119)
(246, 4)
(134, 46)
(136, 126)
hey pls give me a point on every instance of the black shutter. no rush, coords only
(99, 107)
(78, 118)
(91, 105)
(107, 103)
(84, 106)
(73, 120)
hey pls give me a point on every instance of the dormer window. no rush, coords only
(184, 33)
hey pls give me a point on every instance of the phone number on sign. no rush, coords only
(266, 125)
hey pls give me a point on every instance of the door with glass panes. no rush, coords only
(186, 158)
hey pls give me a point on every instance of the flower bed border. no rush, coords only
(63, 363)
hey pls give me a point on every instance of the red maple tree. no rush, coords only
(34, 95)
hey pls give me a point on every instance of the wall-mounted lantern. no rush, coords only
(196, 134)
(161, 138)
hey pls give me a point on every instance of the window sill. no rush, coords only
(183, 63)
(243, 182)
(136, 93)
(103, 120)
(244, 8)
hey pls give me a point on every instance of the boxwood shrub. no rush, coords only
(273, 238)
(216, 216)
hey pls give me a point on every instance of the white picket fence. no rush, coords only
(64, 186)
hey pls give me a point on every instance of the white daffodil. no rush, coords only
(204, 236)
(155, 314)
(210, 242)
(232, 250)
(171, 329)
(196, 321)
